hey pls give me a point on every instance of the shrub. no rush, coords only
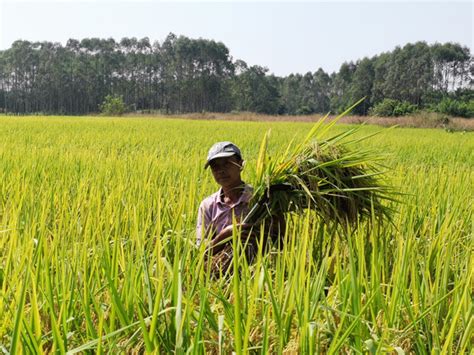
(384, 108)
(113, 105)
(404, 108)
(391, 107)
(453, 107)
(304, 110)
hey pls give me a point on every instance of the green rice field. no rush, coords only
(98, 255)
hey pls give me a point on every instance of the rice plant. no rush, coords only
(97, 245)
(340, 182)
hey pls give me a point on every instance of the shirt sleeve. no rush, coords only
(202, 223)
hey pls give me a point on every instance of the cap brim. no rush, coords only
(219, 155)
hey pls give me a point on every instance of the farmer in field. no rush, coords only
(216, 212)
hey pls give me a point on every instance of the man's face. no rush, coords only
(226, 171)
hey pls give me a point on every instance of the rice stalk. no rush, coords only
(341, 184)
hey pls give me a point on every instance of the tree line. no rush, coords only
(182, 75)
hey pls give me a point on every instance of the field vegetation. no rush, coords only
(97, 252)
(423, 119)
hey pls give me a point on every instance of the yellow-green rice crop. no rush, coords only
(97, 252)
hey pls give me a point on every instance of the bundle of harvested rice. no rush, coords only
(342, 183)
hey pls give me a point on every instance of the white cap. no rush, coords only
(222, 150)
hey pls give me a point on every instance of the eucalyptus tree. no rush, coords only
(290, 94)
(3, 82)
(381, 66)
(410, 73)
(453, 64)
(321, 90)
(254, 91)
(19, 76)
(342, 81)
(214, 70)
(167, 82)
(362, 84)
(307, 96)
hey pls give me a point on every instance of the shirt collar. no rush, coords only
(244, 197)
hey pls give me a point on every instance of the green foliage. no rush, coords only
(384, 108)
(338, 181)
(456, 108)
(391, 107)
(181, 74)
(113, 105)
(254, 91)
(404, 108)
(409, 73)
(463, 94)
(304, 110)
(306, 94)
(361, 86)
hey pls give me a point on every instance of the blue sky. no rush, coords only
(283, 36)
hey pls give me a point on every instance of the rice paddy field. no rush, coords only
(98, 255)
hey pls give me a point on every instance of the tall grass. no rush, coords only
(97, 247)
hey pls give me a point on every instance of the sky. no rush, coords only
(286, 37)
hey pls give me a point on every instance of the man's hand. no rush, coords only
(218, 243)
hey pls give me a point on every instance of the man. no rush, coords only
(217, 211)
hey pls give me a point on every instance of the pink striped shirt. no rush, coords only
(214, 215)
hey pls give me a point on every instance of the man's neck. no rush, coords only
(232, 194)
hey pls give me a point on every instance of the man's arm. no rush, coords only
(202, 224)
(218, 243)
